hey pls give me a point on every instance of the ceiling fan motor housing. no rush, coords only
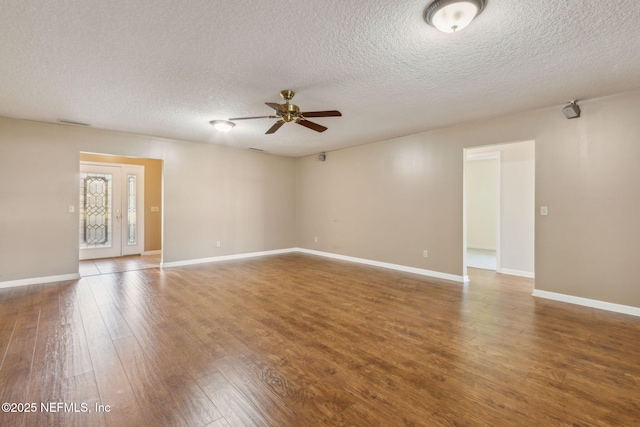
(293, 112)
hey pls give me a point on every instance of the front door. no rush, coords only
(111, 210)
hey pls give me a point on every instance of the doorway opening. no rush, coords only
(499, 208)
(482, 180)
(120, 219)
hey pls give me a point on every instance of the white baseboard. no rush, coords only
(414, 270)
(519, 273)
(159, 252)
(482, 248)
(225, 258)
(602, 305)
(39, 280)
(398, 267)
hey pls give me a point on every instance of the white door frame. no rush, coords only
(121, 244)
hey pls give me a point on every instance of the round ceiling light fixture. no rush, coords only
(450, 16)
(222, 125)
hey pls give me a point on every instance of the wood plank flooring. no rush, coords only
(297, 340)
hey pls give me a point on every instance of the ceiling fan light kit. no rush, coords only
(288, 112)
(450, 16)
(222, 125)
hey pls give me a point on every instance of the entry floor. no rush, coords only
(94, 267)
(480, 258)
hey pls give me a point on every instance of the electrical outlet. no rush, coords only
(316, 239)
(544, 210)
(425, 253)
(218, 244)
(72, 208)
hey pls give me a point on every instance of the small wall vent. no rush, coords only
(72, 122)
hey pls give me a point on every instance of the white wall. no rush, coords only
(481, 186)
(517, 232)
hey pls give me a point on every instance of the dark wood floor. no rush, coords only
(296, 340)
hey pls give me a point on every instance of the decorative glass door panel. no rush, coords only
(99, 213)
(111, 210)
(131, 210)
(133, 207)
(95, 210)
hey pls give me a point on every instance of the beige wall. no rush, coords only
(386, 201)
(211, 192)
(390, 200)
(152, 194)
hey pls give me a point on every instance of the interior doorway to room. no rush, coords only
(499, 208)
(111, 210)
(482, 183)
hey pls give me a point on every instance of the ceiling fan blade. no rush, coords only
(312, 125)
(250, 118)
(275, 127)
(329, 113)
(279, 108)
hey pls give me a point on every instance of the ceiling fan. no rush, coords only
(288, 112)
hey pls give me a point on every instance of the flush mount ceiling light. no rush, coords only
(222, 125)
(450, 16)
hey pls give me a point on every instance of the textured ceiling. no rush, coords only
(166, 68)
